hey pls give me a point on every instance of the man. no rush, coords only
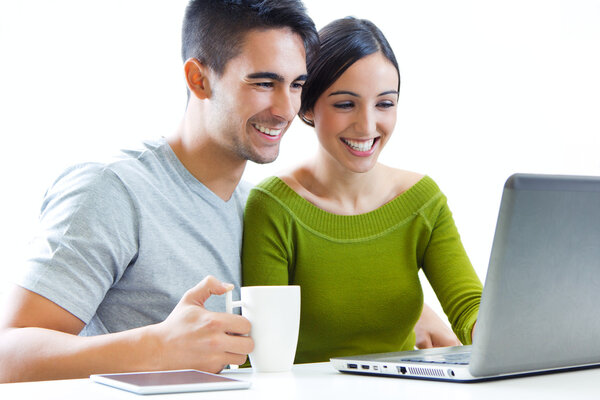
(122, 243)
(106, 287)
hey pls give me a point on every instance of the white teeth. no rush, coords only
(270, 132)
(363, 145)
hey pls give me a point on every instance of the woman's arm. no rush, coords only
(267, 255)
(452, 277)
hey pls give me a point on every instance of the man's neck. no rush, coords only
(215, 167)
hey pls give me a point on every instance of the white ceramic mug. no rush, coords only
(274, 312)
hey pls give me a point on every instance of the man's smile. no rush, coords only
(267, 131)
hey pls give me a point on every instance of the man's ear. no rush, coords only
(197, 78)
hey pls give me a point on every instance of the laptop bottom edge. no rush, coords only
(447, 373)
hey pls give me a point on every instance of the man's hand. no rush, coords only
(38, 339)
(193, 337)
(431, 331)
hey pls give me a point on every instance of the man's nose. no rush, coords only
(285, 104)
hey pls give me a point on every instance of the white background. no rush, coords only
(489, 88)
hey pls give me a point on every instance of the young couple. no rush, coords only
(108, 284)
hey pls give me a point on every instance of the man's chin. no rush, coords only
(258, 155)
(260, 159)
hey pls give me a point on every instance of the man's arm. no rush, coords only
(431, 331)
(38, 339)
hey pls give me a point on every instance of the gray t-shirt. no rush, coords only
(120, 243)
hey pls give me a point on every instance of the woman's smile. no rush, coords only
(361, 147)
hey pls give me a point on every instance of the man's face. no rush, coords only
(258, 95)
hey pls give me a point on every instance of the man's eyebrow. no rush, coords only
(273, 76)
(265, 75)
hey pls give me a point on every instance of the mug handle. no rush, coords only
(230, 304)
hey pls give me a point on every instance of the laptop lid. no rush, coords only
(539, 305)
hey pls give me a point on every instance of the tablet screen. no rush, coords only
(168, 378)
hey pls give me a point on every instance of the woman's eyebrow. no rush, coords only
(356, 95)
(343, 92)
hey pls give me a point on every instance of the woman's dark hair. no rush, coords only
(343, 42)
(213, 30)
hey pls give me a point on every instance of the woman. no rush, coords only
(351, 231)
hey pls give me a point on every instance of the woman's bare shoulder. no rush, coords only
(403, 179)
(293, 178)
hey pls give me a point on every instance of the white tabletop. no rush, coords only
(321, 381)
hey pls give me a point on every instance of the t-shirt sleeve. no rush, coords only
(451, 274)
(267, 248)
(87, 237)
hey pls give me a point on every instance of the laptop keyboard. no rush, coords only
(453, 358)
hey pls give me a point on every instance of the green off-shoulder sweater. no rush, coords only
(360, 289)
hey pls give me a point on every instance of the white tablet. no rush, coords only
(169, 382)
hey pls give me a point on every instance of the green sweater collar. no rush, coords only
(352, 227)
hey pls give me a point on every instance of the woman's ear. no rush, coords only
(197, 78)
(308, 117)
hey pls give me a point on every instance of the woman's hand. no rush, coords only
(431, 331)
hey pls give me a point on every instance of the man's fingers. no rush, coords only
(237, 325)
(236, 359)
(240, 345)
(206, 288)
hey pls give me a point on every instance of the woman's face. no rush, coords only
(355, 117)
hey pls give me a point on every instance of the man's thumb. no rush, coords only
(206, 288)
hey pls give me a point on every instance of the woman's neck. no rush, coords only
(335, 189)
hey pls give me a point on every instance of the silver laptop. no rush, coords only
(540, 308)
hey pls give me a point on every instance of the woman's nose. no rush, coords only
(365, 121)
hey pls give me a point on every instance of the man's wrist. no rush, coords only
(151, 348)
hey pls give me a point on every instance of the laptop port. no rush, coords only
(352, 366)
(364, 366)
(402, 370)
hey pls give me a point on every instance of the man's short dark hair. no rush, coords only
(214, 30)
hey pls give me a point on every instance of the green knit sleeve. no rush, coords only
(266, 249)
(448, 269)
